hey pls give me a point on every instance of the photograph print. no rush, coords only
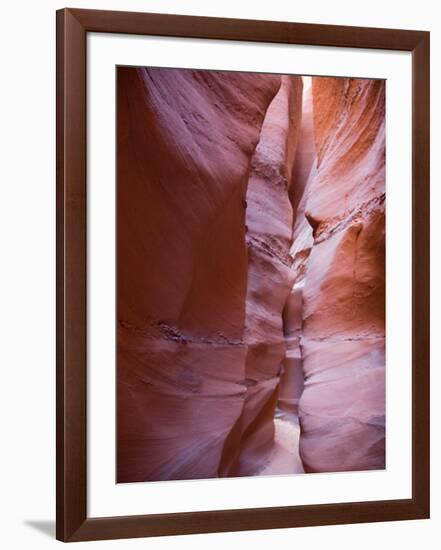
(250, 274)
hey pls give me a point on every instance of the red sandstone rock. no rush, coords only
(349, 132)
(269, 237)
(291, 380)
(246, 269)
(185, 142)
(342, 407)
(343, 404)
(291, 383)
(306, 151)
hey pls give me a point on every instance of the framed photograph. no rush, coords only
(242, 274)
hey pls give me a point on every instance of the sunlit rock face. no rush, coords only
(269, 221)
(185, 144)
(291, 382)
(306, 149)
(339, 259)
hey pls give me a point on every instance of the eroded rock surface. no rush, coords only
(269, 221)
(340, 262)
(185, 143)
(250, 272)
(291, 383)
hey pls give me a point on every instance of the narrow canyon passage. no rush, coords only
(250, 274)
(284, 457)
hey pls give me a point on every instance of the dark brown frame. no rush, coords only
(72, 521)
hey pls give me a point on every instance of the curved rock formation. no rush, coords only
(291, 383)
(185, 143)
(250, 233)
(306, 152)
(340, 260)
(269, 237)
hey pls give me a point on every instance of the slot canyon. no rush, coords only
(250, 274)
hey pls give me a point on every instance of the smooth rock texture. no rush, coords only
(269, 237)
(291, 382)
(251, 274)
(185, 143)
(340, 263)
(306, 150)
(284, 458)
(291, 378)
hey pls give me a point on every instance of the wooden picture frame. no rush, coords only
(73, 524)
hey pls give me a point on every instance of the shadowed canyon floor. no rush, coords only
(250, 269)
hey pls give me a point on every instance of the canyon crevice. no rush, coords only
(250, 273)
(269, 238)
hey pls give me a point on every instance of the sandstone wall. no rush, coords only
(185, 143)
(339, 261)
(250, 270)
(269, 221)
(291, 383)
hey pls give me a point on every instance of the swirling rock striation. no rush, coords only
(269, 237)
(339, 258)
(185, 143)
(250, 269)
(291, 383)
